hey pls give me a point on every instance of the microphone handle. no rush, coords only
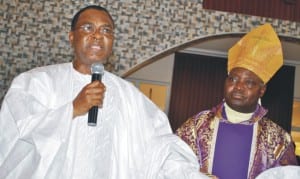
(92, 119)
(93, 112)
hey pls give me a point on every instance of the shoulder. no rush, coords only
(41, 75)
(50, 70)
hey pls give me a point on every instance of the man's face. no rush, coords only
(92, 38)
(242, 90)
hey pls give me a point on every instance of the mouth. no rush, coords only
(237, 95)
(96, 51)
(96, 47)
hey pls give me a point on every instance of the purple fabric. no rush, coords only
(273, 147)
(232, 151)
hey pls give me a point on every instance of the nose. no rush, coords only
(239, 85)
(97, 34)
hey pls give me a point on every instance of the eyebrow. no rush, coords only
(103, 25)
(107, 25)
(80, 24)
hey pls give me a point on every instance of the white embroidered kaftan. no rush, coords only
(132, 139)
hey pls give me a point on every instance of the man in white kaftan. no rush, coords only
(43, 136)
(39, 139)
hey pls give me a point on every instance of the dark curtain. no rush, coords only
(197, 85)
(278, 98)
(198, 82)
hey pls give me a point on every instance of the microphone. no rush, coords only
(97, 71)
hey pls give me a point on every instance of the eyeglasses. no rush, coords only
(91, 28)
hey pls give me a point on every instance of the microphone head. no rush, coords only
(97, 68)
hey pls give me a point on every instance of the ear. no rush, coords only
(71, 38)
(263, 90)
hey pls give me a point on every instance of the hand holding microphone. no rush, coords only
(97, 71)
(91, 96)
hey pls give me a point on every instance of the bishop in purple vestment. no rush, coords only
(235, 140)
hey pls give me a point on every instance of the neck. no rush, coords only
(235, 116)
(84, 69)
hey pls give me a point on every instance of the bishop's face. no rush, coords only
(92, 39)
(243, 89)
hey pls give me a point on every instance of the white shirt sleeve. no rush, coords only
(31, 131)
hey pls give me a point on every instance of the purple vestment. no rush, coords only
(265, 143)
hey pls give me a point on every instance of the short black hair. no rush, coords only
(76, 16)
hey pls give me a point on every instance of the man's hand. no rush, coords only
(91, 95)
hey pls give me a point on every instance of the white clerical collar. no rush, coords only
(235, 116)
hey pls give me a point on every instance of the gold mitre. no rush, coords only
(258, 51)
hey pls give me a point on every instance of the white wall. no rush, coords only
(161, 71)
(158, 71)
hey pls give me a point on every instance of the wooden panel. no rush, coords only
(296, 126)
(296, 115)
(156, 93)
